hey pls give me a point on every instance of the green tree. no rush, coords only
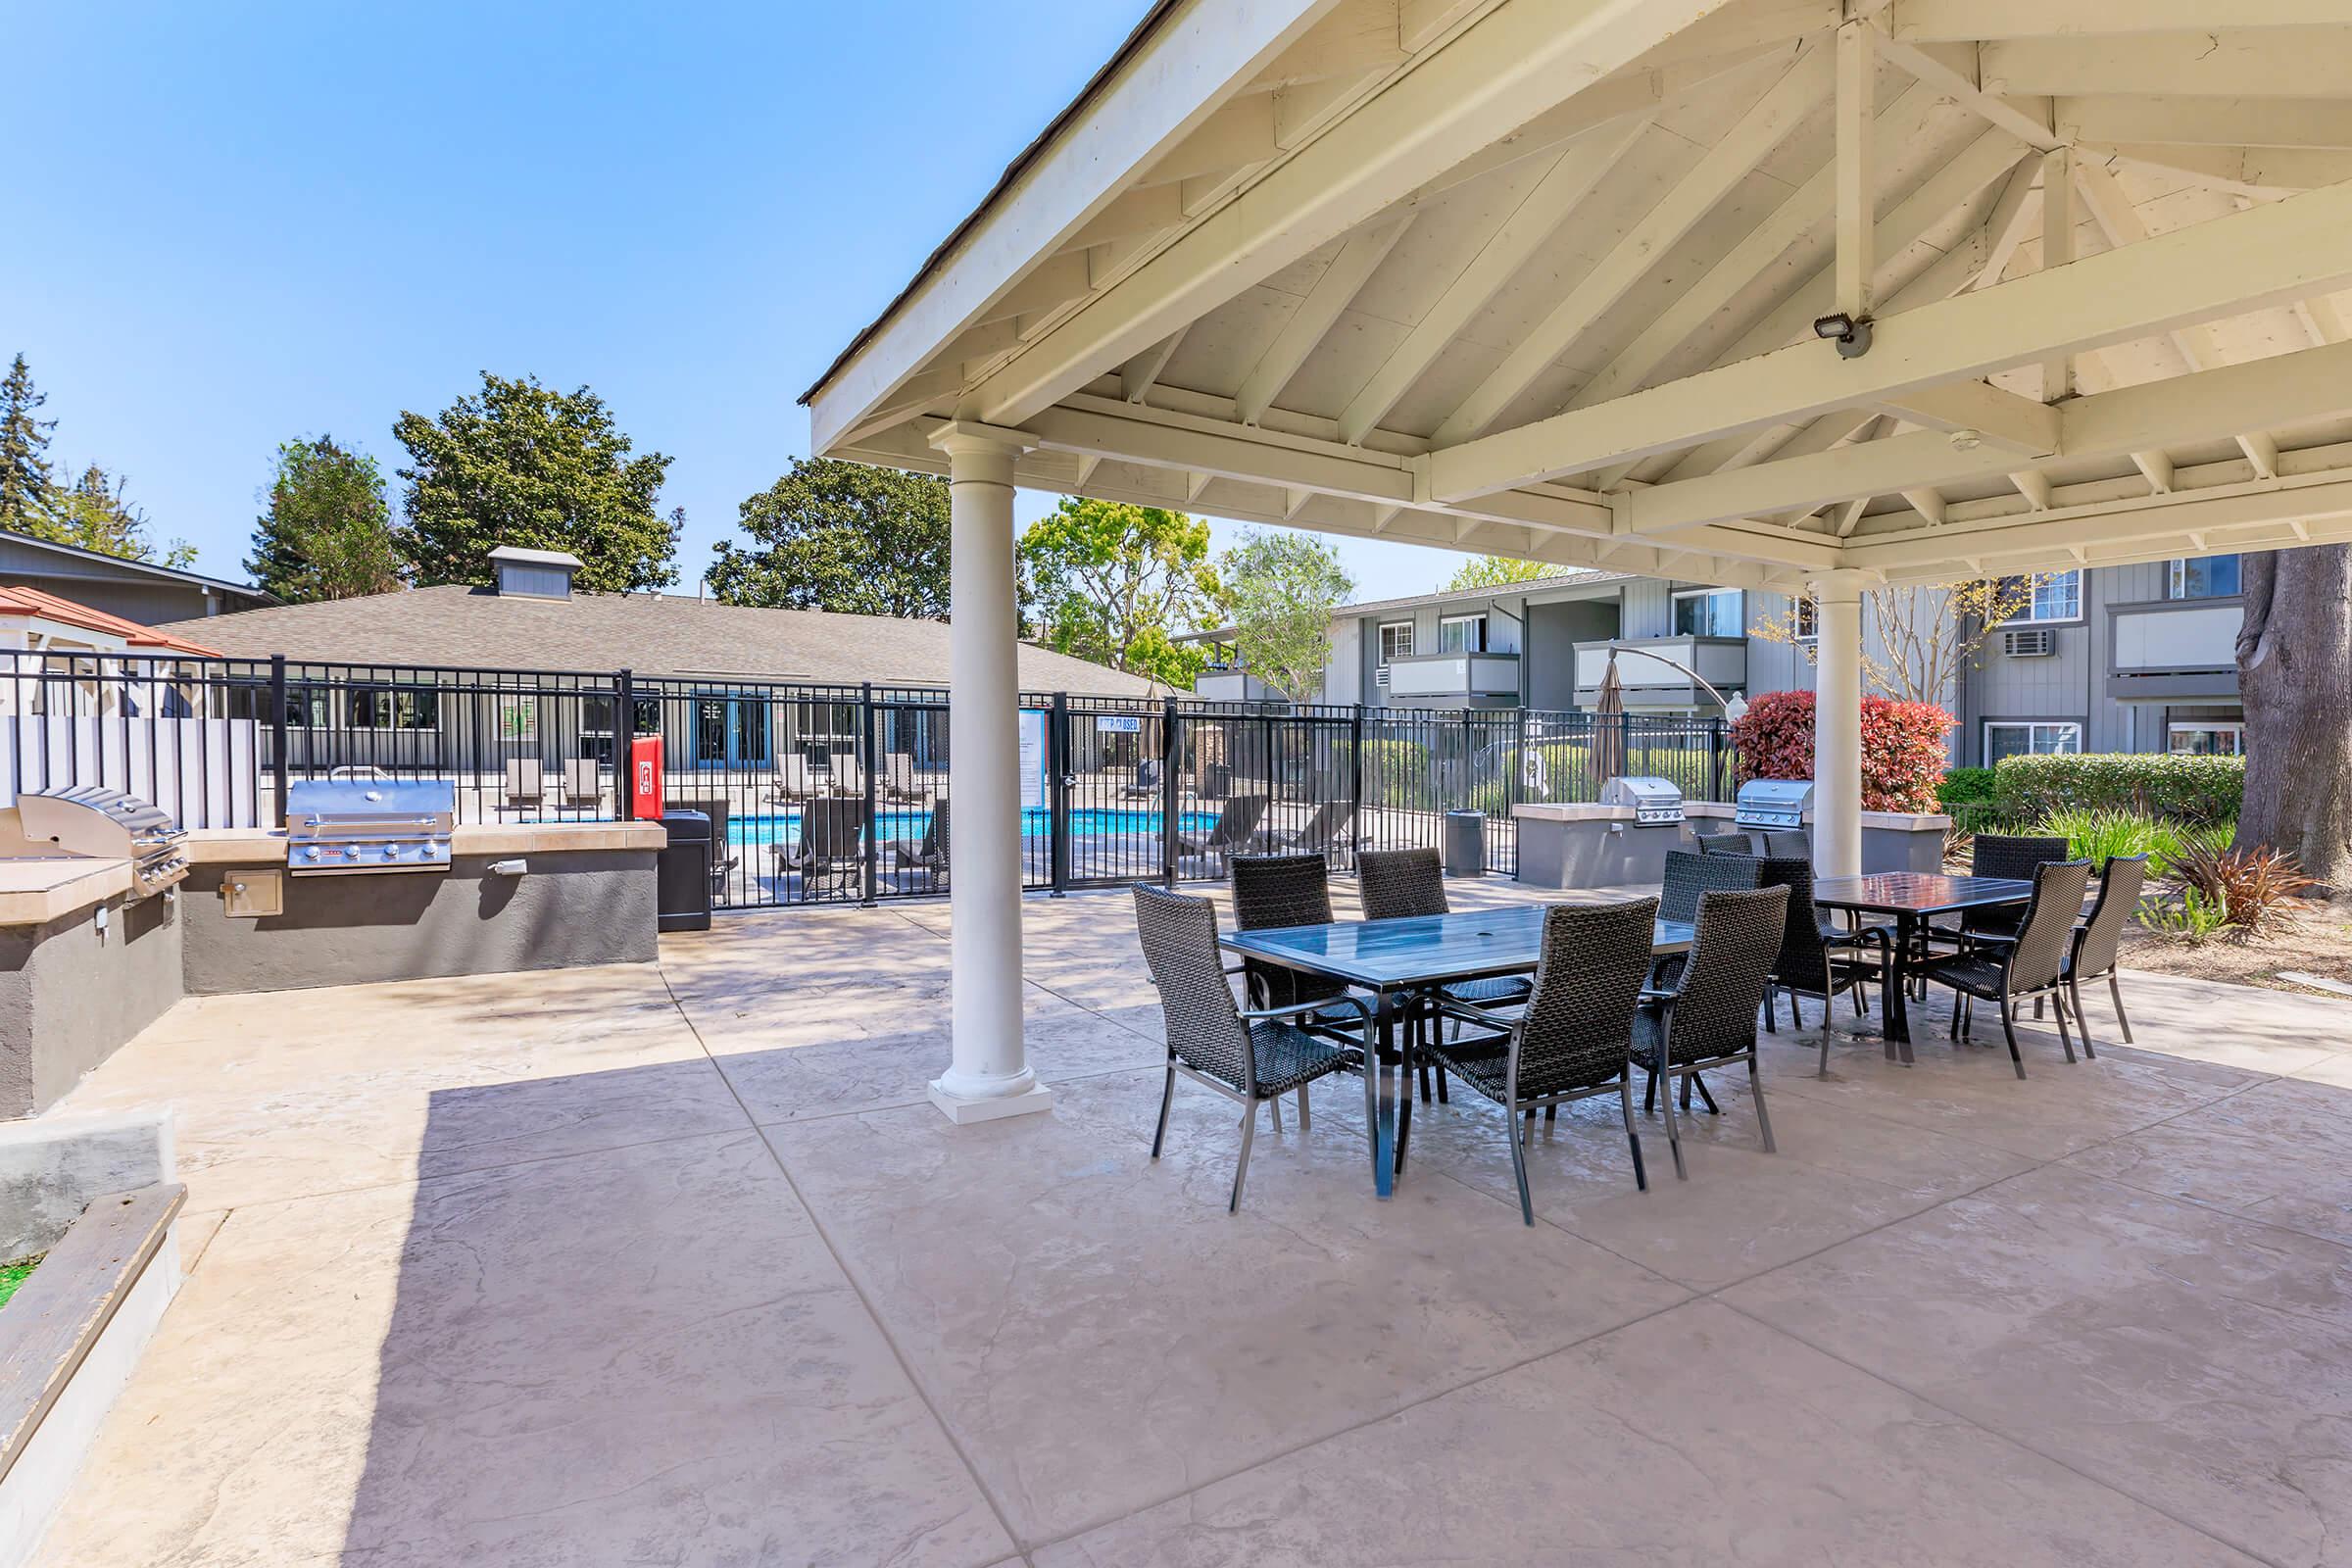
(24, 476)
(1498, 571)
(95, 513)
(1281, 589)
(327, 532)
(844, 537)
(1109, 582)
(523, 465)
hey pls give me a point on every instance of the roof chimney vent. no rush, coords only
(533, 573)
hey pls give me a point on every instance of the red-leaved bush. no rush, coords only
(1902, 747)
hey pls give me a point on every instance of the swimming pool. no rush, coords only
(784, 827)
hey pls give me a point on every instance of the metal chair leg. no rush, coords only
(1552, 1114)
(2009, 1028)
(2065, 1038)
(1772, 1002)
(1167, 1097)
(1650, 1092)
(1713, 1109)
(1242, 1171)
(1756, 1090)
(1515, 1126)
(2115, 989)
(1674, 1137)
(2038, 1007)
(2073, 993)
(1633, 1138)
(1302, 1108)
(1275, 1104)
(1796, 1013)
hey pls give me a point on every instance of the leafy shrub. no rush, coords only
(2177, 789)
(1965, 786)
(1902, 747)
(2193, 920)
(2098, 836)
(1397, 773)
(2256, 891)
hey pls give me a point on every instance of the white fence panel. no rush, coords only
(205, 771)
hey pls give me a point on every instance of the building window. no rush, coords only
(1395, 642)
(2056, 597)
(395, 708)
(2206, 737)
(1710, 613)
(1807, 618)
(2211, 577)
(1463, 634)
(2022, 738)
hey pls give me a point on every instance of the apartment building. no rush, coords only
(2116, 658)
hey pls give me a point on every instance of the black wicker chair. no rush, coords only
(1280, 889)
(2097, 939)
(2033, 966)
(1708, 1018)
(1251, 1056)
(1571, 1040)
(1730, 841)
(1688, 878)
(1816, 961)
(2017, 857)
(1399, 884)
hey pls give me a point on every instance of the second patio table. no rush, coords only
(1912, 897)
(1394, 960)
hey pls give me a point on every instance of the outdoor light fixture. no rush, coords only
(1852, 333)
(1966, 440)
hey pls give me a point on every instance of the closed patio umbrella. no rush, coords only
(1608, 728)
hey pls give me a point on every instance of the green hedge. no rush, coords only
(2179, 789)
(1965, 786)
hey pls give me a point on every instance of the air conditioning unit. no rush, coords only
(2032, 642)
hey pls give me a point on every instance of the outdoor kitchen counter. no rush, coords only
(1577, 844)
(514, 896)
(35, 892)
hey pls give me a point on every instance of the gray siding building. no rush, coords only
(135, 590)
(2116, 658)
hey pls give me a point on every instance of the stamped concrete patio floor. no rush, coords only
(672, 1264)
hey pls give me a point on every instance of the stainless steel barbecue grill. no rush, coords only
(1656, 802)
(109, 825)
(1774, 803)
(336, 826)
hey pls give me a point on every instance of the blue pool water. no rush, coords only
(784, 827)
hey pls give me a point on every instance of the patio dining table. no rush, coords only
(1912, 899)
(1396, 960)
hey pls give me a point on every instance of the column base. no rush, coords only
(963, 1111)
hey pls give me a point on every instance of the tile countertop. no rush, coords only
(1588, 812)
(36, 889)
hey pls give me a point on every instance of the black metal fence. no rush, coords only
(828, 794)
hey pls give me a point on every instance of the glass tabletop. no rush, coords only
(1421, 949)
(1918, 893)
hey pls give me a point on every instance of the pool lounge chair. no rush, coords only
(526, 783)
(927, 856)
(1150, 783)
(583, 783)
(1332, 827)
(831, 847)
(1233, 832)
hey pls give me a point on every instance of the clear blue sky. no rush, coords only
(235, 224)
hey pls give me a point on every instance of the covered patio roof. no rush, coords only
(1541, 277)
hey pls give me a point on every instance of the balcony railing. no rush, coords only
(1654, 683)
(1447, 680)
(2174, 648)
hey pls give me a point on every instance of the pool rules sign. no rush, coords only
(1033, 760)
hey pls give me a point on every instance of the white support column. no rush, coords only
(1837, 726)
(988, 1075)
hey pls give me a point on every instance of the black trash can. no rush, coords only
(683, 872)
(1465, 844)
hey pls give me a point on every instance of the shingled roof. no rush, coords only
(651, 635)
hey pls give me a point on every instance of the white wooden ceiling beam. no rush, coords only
(1856, 186)
(1420, 21)
(1236, 137)
(2057, 250)
(1481, 276)
(2206, 122)
(2265, 173)
(2157, 468)
(1485, 82)
(2264, 256)
(2285, 389)
(1954, 183)
(2027, 120)
(2005, 420)
(1767, 123)
(1353, 37)
(2211, 62)
(1801, 222)
(1137, 375)
(1965, 20)
(1315, 314)
(1928, 503)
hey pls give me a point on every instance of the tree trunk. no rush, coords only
(2294, 674)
